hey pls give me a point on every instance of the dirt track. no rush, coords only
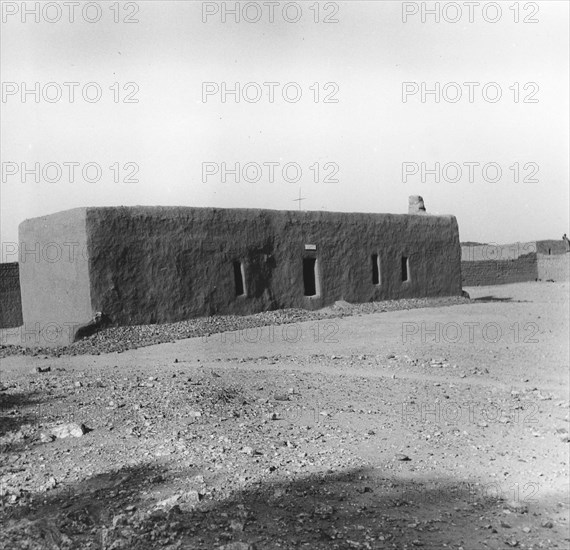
(434, 428)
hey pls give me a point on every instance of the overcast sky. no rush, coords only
(346, 137)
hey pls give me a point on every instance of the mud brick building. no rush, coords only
(139, 265)
(491, 264)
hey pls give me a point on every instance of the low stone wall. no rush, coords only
(554, 268)
(491, 272)
(10, 297)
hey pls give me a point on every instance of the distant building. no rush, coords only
(492, 264)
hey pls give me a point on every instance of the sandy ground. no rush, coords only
(435, 428)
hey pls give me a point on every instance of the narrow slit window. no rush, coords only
(375, 269)
(239, 279)
(310, 276)
(405, 269)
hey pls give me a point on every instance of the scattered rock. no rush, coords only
(168, 502)
(51, 483)
(191, 497)
(120, 519)
(69, 430)
(119, 339)
(46, 437)
(281, 397)
(324, 510)
(235, 452)
(517, 507)
(402, 457)
(237, 546)
(237, 525)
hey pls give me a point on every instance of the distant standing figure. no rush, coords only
(567, 241)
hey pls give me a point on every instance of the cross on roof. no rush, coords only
(299, 199)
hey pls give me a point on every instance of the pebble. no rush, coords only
(168, 502)
(191, 496)
(237, 546)
(281, 397)
(69, 430)
(402, 457)
(46, 438)
(237, 525)
(517, 506)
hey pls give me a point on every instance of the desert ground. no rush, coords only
(443, 427)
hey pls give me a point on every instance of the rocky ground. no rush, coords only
(441, 427)
(124, 338)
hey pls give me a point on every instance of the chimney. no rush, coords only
(416, 205)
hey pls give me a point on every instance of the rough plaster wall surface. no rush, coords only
(554, 268)
(54, 276)
(492, 272)
(10, 298)
(162, 264)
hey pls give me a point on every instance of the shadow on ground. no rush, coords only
(17, 412)
(355, 508)
(486, 299)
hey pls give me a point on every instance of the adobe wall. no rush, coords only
(554, 268)
(497, 252)
(54, 277)
(498, 272)
(10, 298)
(162, 264)
(551, 247)
(492, 264)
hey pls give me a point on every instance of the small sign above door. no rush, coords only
(310, 247)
